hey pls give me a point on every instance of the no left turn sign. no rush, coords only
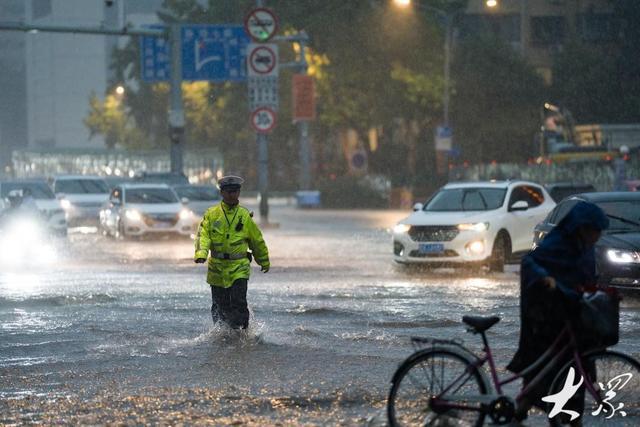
(261, 24)
(263, 120)
(263, 59)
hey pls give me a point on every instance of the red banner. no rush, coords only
(304, 97)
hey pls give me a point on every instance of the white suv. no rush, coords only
(481, 223)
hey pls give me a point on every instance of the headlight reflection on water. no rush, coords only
(24, 242)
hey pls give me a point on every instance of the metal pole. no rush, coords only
(263, 176)
(305, 155)
(176, 112)
(523, 27)
(303, 127)
(263, 166)
(447, 66)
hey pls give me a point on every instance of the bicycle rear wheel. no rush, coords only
(616, 377)
(426, 374)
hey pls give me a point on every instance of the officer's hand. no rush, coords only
(264, 269)
(200, 260)
(549, 282)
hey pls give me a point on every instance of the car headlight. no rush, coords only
(476, 247)
(401, 228)
(66, 205)
(618, 256)
(185, 214)
(133, 215)
(478, 226)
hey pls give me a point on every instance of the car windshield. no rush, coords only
(198, 193)
(625, 215)
(81, 186)
(39, 190)
(150, 195)
(466, 199)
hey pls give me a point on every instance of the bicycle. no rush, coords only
(445, 383)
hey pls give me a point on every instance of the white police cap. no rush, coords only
(230, 182)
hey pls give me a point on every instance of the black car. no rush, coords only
(561, 190)
(618, 250)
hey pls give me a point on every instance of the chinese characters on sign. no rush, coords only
(304, 103)
(569, 390)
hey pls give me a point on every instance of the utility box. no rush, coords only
(308, 199)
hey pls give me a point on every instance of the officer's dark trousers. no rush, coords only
(230, 304)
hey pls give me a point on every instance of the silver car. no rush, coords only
(81, 196)
(146, 209)
(200, 197)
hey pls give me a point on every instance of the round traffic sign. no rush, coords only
(263, 120)
(262, 59)
(261, 24)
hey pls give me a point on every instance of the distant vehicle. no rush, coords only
(476, 223)
(560, 190)
(618, 250)
(169, 178)
(81, 196)
(114, 180)
(201, 197)
(137, 209)
(45, 200)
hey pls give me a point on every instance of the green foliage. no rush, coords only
(348, 192)
(601, 83)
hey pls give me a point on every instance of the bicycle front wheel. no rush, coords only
(616, 380)
(427, 374)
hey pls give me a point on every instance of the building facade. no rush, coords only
(541, 28)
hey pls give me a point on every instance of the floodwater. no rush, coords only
(120, 331)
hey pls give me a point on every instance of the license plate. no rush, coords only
(432, 248)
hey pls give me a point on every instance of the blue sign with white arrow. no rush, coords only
(209, 52)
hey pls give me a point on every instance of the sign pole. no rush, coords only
(303, 128)
(263, 175)
(176, 111)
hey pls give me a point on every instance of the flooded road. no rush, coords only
(120, 331)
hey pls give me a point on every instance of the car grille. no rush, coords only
(433, 233)
(88, 204)
(167, 218)
(448, 253)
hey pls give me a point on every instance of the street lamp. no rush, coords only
(448, 19)
(120, 90)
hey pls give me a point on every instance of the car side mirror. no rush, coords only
(520, 205)
(417, 207)
(184, 201)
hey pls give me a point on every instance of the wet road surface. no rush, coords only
(120, 332)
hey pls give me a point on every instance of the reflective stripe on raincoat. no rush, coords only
(229, 230)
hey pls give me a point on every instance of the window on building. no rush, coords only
(597, 27)
(504, 27)
(40, 8)
(548, 30)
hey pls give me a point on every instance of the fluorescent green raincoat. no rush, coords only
(228, 232)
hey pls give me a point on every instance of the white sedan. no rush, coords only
(141, 209)
(476, 223)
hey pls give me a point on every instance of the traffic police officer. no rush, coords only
(228, 231)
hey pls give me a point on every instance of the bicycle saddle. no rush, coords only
(479, 323)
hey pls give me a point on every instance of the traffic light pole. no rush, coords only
(176, 112)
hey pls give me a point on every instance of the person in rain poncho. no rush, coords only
(551, 280)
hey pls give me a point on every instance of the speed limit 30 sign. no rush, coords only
(263, 120)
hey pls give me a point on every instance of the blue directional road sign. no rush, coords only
(209, 52)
